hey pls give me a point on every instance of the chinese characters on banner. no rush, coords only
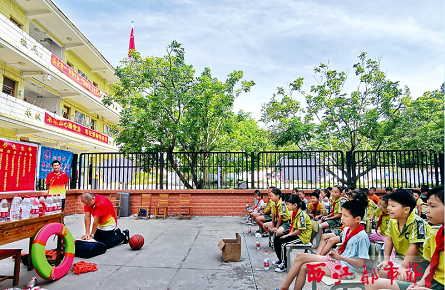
(72, 74)
(48, 155)
(74, 127)
(17, 166)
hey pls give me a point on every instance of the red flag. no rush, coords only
(131, 46)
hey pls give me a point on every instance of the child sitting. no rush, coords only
(372, 196)
(351, 255)
(433, 277)
(280, 223)
(324, 199)
(266, 215)
(302, 196)
(334, 219)
(329, 240)
(255, 210)
(300, 231)
(407, 233)
(315, 209)
(383, 222)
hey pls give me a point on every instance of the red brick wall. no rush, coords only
(204, 202)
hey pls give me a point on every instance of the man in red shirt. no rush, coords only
(104, 223)
(57, 182)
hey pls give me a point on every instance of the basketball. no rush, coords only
(136, 242)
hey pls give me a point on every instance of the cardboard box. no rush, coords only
(231, 249)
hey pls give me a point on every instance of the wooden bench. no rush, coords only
(6, 253)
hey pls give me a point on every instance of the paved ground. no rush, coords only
(178, 254)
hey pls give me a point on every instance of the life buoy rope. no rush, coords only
(41, 265)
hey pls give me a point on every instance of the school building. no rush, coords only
(52, 81)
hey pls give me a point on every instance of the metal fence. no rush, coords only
(283, 169)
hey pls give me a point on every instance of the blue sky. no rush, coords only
(275, 42)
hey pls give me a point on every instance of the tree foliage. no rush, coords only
(168, 108)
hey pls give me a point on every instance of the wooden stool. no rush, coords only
(6, 253)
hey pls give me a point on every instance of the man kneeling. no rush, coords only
(104, 228)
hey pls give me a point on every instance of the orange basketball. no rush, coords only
(136, 242)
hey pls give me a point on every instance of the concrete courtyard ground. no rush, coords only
(178, 254)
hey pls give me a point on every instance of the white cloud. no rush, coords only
(275, 42)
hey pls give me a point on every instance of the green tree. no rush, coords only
(421, 124)
(339, 120)
(284, 119)
(245, 135)
(168, 108)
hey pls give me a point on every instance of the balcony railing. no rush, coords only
(24, 112)
(24, 43)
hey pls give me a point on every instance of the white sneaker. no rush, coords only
(276, 263)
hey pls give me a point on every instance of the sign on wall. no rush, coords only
(48, 155)
(76, 128)
(17, 166)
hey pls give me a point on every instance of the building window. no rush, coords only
(82, 74)
(70, 64)
(66, 113)
(8, 86)
(95, 84)
(16, 22)
(93, 124)
(79, 118)
(105, 129)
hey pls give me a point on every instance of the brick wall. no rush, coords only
(204, 202)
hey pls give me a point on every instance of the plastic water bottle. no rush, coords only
(14, 212)
(49, 203)
(257, 243)
(55, 203)
(249, 231)
(4, 210)
(266, 260)
(26, 207)
(59, 203)
(34, 206)
(41, 199)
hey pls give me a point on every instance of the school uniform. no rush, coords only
(299, 221)
(268, 217)
(280, 209)
(416, 230)
(315, 210)
(336, 209)
(430, 245)
(357, 247)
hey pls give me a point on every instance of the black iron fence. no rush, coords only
(283, 169)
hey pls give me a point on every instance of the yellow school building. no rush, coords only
(52, 81)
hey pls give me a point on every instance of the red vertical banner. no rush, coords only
(17, 166)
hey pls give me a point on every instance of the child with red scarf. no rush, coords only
(350, 257)
(315, 208)
(300, 231)
(381, 230)
(433, 278)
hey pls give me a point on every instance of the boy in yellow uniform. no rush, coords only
(433, 277)
(407, 233)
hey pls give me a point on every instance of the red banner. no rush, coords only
(17, 166)
(76, 128)
(72, 74)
